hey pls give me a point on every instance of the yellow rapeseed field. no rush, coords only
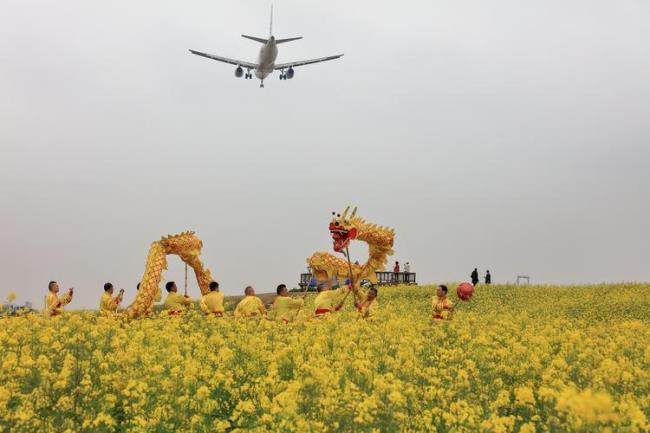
(528, 359)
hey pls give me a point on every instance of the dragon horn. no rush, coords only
(345, 213)
(354, 212)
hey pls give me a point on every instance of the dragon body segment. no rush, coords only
(344, 229)
(185, 245)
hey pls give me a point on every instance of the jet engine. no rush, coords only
(289, 74)
(239, 72)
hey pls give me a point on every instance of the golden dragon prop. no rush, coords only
(185, 245)
(344, 229)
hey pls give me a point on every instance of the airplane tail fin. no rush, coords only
(282, 41)
(253, 38)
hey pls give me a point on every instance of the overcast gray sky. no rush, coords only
(507, 135)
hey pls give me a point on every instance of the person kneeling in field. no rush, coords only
(175, 303)
(285, 308)
(250, 306)
(442, 307)
(54, 304)
(367, 304)
(328, 300)
(107, 304)
(212, 303)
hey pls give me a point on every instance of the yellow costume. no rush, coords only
(250, 306)
(54, 304)
(108, 304)
(441, 308)
(212, 303)
(285, 308)
(176, 303)
(328, 300)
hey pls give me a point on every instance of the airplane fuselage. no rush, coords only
(266, 59)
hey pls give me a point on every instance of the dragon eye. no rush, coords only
(336, 223)
(338, 215)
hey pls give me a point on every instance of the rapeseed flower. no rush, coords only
(507, 362)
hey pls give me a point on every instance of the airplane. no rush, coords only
(266, 60)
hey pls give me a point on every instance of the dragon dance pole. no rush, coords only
(347, 254)
(311, 275)
(304, 293)
(186, 279)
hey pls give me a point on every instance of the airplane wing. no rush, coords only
(226, 60)
(306, 62)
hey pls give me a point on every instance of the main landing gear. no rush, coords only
(287, 75)
(261, 84)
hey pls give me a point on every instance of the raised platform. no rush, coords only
(383, 279)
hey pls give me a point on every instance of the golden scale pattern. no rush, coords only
(185, 245)
(380, 246)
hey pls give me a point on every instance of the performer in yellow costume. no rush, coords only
(175, 303)
(328, 300)
(250, 306)
(212, 303)
(367, 304)
(285, 308)
(108, 304)
(442, 308)
(53, 304)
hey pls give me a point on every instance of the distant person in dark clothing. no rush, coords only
(488, 277)
(396, 272)
(475, 277)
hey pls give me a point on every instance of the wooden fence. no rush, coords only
(383, 279)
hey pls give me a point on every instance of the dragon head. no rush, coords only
(342, 229)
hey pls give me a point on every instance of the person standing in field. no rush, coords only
(442, 308)
(396, 272)
(108, 304)
(212, 303)
(488, 277)
(53, 304)
(285, 308)
(250, 306)
(328, 300)
(474, 277)
(407, 267)
(175, 303)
